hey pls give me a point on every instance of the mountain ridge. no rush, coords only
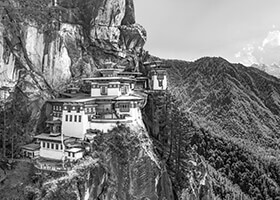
(232, 99)
(237, 109)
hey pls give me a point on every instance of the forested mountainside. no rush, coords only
(238, 110)
(234, 101)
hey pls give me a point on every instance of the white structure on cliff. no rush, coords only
(115, 97)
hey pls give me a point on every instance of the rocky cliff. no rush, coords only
(82, 37)
(45, 45)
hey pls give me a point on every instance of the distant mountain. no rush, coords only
(273, 69)
(238, 108)
(236, 101)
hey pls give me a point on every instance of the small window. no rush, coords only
(80, 118)
(56, 146)
(124, 107)
(48, 145)
(69, 154)
(52, 146)
(75, 118)
(73, 155)
(66, 118)
(103, 90)
(61, 147)
(160, 83)
(71, 118)
(44, 144)
(69, 109)
(124, 90)
(78, 109)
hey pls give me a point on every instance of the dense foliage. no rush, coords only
(258, 178)
(13, 125)
(235, 172)
(172, 132)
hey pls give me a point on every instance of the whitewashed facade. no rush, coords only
(112, 100)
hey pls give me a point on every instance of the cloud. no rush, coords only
(265, 52)
(272, 39)
(246, 56)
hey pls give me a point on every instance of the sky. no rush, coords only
(241, 31)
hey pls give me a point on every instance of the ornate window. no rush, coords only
(103, 90)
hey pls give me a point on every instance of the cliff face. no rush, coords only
(44, 47)
(84, 36)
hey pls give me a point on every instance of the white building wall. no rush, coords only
(103, 126)
(155, 83)
(77, 156)
(74, 129)
(135, 113)
(51, 154)
(95, 92)
(111, 91)
(114, 91)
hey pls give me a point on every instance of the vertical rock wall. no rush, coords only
(8, 74)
